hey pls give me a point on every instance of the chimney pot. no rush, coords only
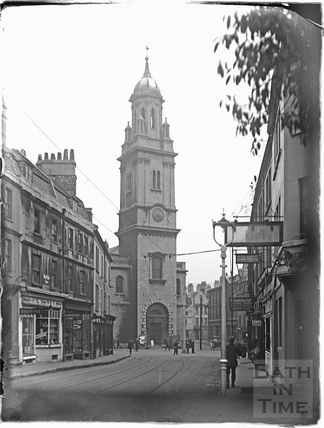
(46, 156)
(53, 156)
(66, 156)
(72, 154)
(39, 157)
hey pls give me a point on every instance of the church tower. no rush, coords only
(147, 219)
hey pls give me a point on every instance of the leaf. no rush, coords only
(220, 70)
(228, 21)
(228, 79)
(216, 46)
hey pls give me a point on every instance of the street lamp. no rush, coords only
(223, 223)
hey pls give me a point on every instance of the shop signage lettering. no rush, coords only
(256, 323)
(37, 301)
(30, 311)
(38, 336)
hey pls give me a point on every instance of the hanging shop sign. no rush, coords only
(257, 234)
(256, 323)
(240, 304)
(247, 258)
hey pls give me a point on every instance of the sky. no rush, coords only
(67, 77)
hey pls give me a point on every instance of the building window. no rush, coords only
(157, 267)
(143, 112)
(278, 210)
(102, 266)
(70, 277)
(102, 301)
(97, 259)
(279, 321)
(105, 303)
(80, 242)
(178, 287)
(8, 255)
(303, 201)
(54, 274)
(8, 203)
(36, 264)
(268, 190)
(106, 271)
(119, 284)
(36, 220)
(82, 284)
(70, 238)
(267, 334)
(153, 118)
(47, 328)
(97, 298)
(277, 140)
(54, 230)
(86, 245)
(28, 172)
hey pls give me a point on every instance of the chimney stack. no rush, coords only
(61, 171)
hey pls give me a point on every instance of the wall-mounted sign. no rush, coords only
(256, 323)
(247, 258)
(37, 301)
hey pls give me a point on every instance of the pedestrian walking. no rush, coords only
(176, 346)
(136, 344)
(152, 343)
(187, 346)
(166, 345)
(118, 343)
(232, 352)
(130, 346)
(193, 346)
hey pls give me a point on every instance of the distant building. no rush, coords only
(197, 312)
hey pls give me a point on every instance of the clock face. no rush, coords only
(158, 214)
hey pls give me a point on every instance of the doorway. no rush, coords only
(157, 318)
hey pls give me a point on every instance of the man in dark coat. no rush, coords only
(130, 346)
(176, 345)
(232, 352)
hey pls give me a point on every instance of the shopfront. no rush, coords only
(41, 327)
(102, 336)
(76, 326)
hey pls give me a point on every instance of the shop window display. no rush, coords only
(28, 338)
(47, 328)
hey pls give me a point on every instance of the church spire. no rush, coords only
(147, 70)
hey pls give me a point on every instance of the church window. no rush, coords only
(143, 113)
(119, 284)
(156, 180)
(129, 182)
(153, 118)
(178, 287)
(157, 267)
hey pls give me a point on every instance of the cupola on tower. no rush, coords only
(147, 219)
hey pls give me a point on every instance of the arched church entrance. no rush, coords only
(157, 322)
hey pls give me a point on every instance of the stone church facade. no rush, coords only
(149, 292)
